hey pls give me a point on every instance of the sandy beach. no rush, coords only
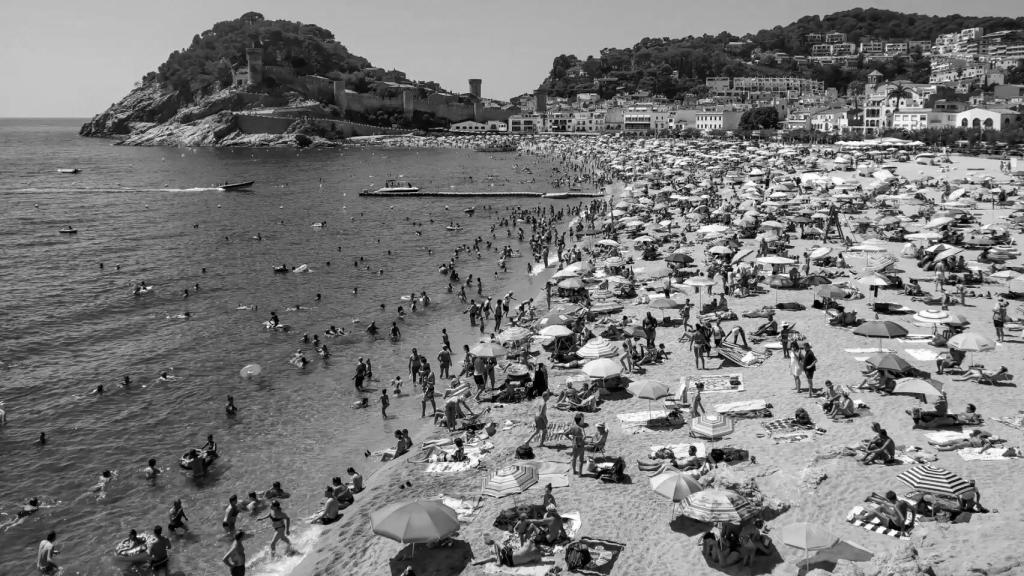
(802, 480)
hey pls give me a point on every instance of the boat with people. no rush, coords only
(68, 170)
(68, 230)
(392, 188)
(227, 186)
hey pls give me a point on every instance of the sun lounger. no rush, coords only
(742, 356)
(873, 524)
(588, 404)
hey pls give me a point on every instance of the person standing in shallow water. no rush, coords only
(235, 558)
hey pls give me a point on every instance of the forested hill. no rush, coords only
(671, 67)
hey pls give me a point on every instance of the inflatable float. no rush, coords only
(268, 325)
(186, 461)
(134, 551)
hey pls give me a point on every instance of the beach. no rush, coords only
(801, 477)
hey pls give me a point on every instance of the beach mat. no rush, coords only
(539, 569)
(557, 431)
(922, 354)
(872, 525)
(715, 383)
(637, 422)
(782, 425)
(793, 437)
(867, 350)
(603, 554)
(453, 467)
(940, 436)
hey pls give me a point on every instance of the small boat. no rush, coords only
(470, 211)
(924, 158)
(68, 170)
(282, 269)
(236, 185)
(68, 230)
(453, 228)
(392, 187)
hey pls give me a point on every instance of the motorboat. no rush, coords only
(470, 211)
(68, 230)
(236, 185)
(394, 188)
(68, 170)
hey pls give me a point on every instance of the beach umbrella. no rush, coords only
(931, 316)
(934, 480)
(571, 284)
(829, 292)
(922, 386)
(743, 254)
(718, 506)
(556, 330)
(923, 236)
(488, 350)
(948, 253)
(712, 426)
(842, 550)
(598, 348)
(602, 368)
(511, 479)
(873, 280)
(819, 253)
(664, 304)
(938, 222)
(816, 280)
(697, 283)
(675, 485)
(514, 334)
(775, 260)
(888, 361)
(649, 390)
(971, 342)
(957, 320)
(565, 273)
(720, 250)
(880, 329)
(415, 522)
(807, 537)
(679, 258)
(712, 229)
(250, 371)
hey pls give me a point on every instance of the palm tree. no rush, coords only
(898, 92)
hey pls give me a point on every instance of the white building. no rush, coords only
(526, 123)
(988, 119)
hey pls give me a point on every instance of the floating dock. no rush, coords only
(425, 194)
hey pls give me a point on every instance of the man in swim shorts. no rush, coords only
(235, 558)
(44, 558)
(230, 514)
(158, 558)
(540, 419)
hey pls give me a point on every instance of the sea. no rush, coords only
(70, 323)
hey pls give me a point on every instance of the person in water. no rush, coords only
(230, 409)
(235, 558)
(151, 472)
(210, 447)
(282, 528)
(176, 517)
(230, 514)
(158, 557)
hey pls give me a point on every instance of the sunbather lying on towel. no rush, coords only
(895, 513)
(528, 553)
(977, 439)
(982, 376)
(932, 420)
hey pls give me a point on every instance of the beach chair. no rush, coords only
(588, 404)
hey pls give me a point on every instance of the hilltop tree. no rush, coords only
(759, 118)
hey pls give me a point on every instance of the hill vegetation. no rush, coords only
(672, 67)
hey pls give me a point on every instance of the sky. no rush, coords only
(69, 58)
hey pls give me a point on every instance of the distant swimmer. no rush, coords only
(165, 377)
(372, 329)
(97, 391)
(396, 334)
(151, 472)
(230, 409)
(100, 488)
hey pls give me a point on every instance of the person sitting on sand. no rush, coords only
(977, 439)
(886, 451)
(894, 511)
(769, 328)
(983, 376)
(553, 525)
(596, 442)
(528, 553)
(831, 396)
(843, 408)
(331, 511)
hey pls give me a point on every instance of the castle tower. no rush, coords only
(254, 63)
(542, 101)
(474, 87)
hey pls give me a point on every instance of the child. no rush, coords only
(397, 384)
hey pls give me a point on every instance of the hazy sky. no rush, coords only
(73, 58)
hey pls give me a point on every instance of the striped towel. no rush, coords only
(557, 431)
(873, 524)
(783, 425)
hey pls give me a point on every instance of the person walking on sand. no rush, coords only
(576, 437)
(427, 382)
(999, 318)
(235, 558)
(696, 404)
(540, 419)
(796, 364)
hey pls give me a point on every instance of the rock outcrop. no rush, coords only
(148, 103)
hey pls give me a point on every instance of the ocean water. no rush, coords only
(70, 325)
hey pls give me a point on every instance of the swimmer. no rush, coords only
(101, 487)
(151, 472)
(165, 377)
(318, 297)
(254, 504)
(98, 391)
(230, 408)
(3, 414)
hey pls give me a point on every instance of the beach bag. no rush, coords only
(524, 452)
(491, 429)
(576, 556)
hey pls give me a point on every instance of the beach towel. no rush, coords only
(557, 431)
(554, 473)
(744, 408)
(922, 354)
(603, 554)
(914, 338)
(867, 350)
(792, 437)
(874, 524)
(994, 453)
(741, 356)
(715, 383)
(465, 508)
(681, 450)
(539, 569)
(647, 421)
(452, 467)
(1012, 421)
(783, 425)
(941, 436)
(914, 455)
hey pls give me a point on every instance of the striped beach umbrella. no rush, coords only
(488, 350)
(556, 330)
(718, 506)
(935, 480)
(602, 368)
(598, 348)
(712, 426)
(511, 479)
(514, 334)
